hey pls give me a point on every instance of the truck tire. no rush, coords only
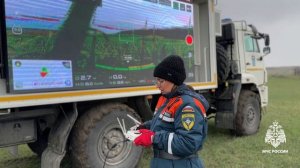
(248, 115)
(223, 64)
(97, 131)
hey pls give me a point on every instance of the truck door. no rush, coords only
(253, 59)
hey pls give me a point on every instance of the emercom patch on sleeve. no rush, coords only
(188, 120)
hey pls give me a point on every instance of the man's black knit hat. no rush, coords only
(171, 69)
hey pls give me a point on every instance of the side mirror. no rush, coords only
(267, 39)
(267, 50)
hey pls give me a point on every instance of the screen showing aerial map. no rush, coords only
(77, 44)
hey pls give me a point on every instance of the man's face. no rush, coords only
(164, 86)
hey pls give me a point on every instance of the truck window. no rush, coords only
(74, 45)
(251, 45)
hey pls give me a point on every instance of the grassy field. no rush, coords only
(223, 150)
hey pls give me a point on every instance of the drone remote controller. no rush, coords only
(131, 134)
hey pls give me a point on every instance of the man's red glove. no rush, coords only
(145, 139)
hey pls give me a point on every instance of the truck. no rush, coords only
(70, 68)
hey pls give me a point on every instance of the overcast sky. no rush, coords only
(279, 18)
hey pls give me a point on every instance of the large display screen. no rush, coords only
(89, 44)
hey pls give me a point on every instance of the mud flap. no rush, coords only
(227, 105)
(224, 120)
(58, 137)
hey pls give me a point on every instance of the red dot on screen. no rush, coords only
(189, 39)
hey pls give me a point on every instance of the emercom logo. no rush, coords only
(275, 136)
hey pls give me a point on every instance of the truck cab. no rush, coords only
(243, 73)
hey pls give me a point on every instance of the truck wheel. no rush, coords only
(97, 139)
(223, 64)
(248, 115)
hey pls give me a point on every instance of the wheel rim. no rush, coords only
(119, 153)
(251, 115)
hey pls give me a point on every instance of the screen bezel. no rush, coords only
(3, 46)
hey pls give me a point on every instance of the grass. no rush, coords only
(223, 150)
